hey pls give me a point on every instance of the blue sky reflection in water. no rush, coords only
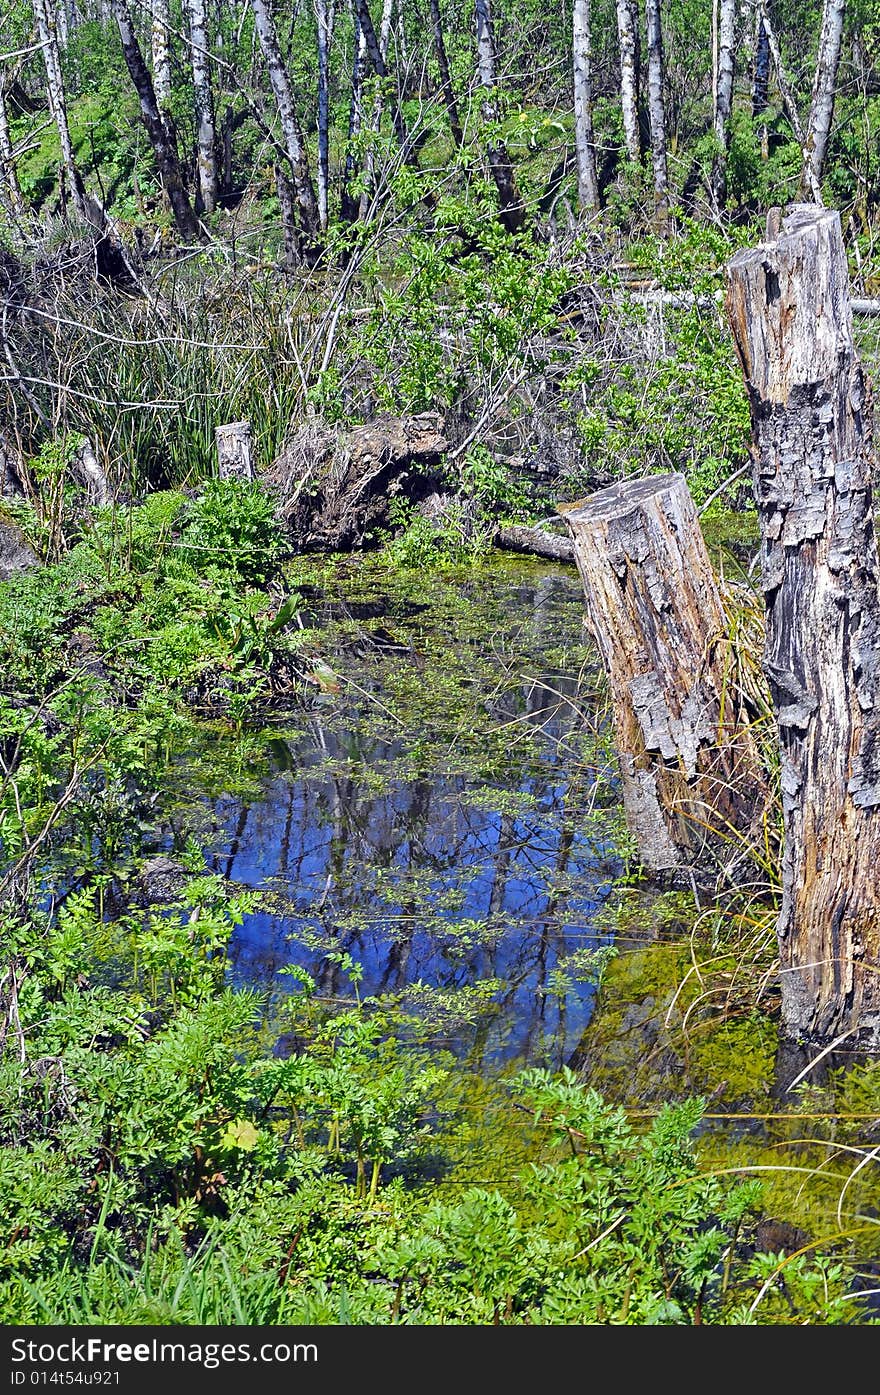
(480, 887)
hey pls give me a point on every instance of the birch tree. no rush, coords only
(45, 20)
(325, 15)
(628, 42)
(294, 141)
(159, 42)
(164, 149)
(822, 104)
(588, 184)
(723, 100)
(512, 211)
(657, 114)
(206, 134)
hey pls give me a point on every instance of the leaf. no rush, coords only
(240, 1133)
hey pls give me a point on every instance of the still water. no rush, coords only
(443, 814)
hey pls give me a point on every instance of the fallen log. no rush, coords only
(691, 777)
(535, 541)
(789, 310)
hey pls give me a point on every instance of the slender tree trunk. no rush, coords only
(445, 75)
(8, 173)
(159, 39)
(289, 223)
(163, 146)
(61, 29)
(789, 309)
(761, 82)
(376, 50)
(204, 100)
(512, 211)
(723, 103)
(656, 114)
(789, 105)
(294, 141)
(588, 184)
(325, 13)
(45, 19)
(349, 205)
(822, 105)
(628, 41)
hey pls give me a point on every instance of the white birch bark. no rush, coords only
(294, 142)
(628, 42)
(588, 184)
(723, 103)
(656, 113)
(45, 19)
(206, 133)
(822, 104)
(325, 14)
(161, 49)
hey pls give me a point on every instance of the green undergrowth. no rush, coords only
(162, 1164)
(178, 1150)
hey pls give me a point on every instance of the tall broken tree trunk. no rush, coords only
(691, 779)
(788, 305)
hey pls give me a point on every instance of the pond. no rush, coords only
(446, 814)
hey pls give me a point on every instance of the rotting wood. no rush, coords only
(234, 451)
(691, 777)
(789, 310)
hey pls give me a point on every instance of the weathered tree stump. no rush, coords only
(234, 451)
(691, 778)
(788, 306)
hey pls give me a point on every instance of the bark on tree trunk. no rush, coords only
(822, 105)
(512, 212)
(289, 222)
(206, 133)
(160, 45)
(163, 146)
(761, 82)
(588, 184)
(723, 104)
(445, 75)
(788, 306)
(294, 142)
(628, 40)
(325, 15)
(656, 114)
(235, 451)
(690, 774)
